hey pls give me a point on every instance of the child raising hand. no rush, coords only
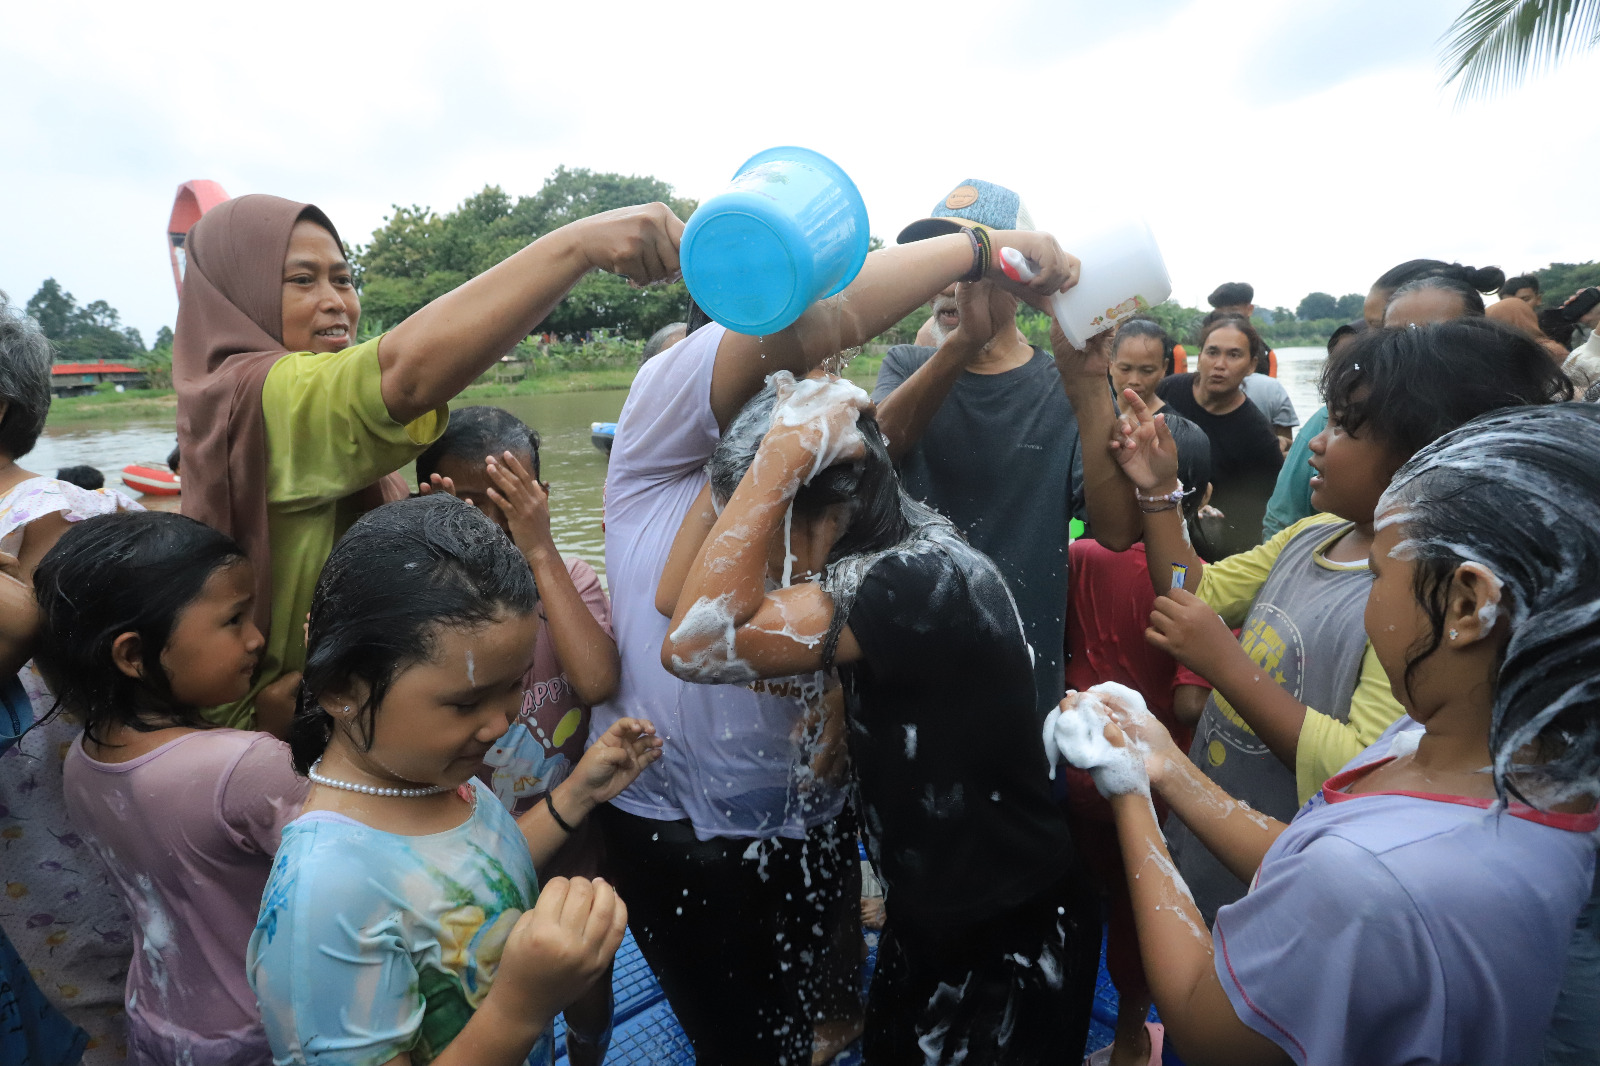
(402, 904)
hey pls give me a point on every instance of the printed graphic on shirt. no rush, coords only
(1275, 644)
(526, 763)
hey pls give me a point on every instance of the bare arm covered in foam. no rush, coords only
(727, 628)
(1176, 950)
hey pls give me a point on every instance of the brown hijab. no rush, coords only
(1517, 313)
(230, 333)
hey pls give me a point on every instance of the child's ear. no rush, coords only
(1472, 610)
(127, 652)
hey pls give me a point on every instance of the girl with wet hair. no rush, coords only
(1411, 909)
(146, 619)
(1302, 690)
(1479, 279)
(1433, 298)
(818, 560)
(404, 921)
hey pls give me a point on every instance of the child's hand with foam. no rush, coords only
(1130, 716)
(1084, 731)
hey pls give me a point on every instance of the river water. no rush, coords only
(575, 469)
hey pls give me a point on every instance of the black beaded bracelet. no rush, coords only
(982, 253)
(562, 822)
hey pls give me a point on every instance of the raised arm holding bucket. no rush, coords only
(735, 812)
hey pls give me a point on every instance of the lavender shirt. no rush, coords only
(1398, 927)
(188, 832)
(735, 763)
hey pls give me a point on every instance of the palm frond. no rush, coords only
(1495, 44)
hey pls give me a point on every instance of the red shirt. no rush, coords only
(1109, 600)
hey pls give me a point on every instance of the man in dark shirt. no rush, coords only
(989, 431)
(1245, 456)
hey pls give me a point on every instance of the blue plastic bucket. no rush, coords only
(790, 229)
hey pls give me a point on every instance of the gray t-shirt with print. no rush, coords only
(1306, 631)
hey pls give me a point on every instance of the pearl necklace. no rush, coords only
(374, 790)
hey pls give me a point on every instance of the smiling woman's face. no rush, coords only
(320, 307)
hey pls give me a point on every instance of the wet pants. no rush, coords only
(1015, 988)
(740, 933)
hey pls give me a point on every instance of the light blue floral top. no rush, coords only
(370, 944)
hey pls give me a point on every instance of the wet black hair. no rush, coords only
(128, 572)
(1139, 326)
(173, 458)
(1349, 329)
(1556, 326)
(1217, 319)
(1471, 302)
(1232, 294)
(401, 574)
(869, 484)
(85, 477)
(1482, 279)
(1194, 470)
(1517, 284)
(1518, 492)
(1409, 386)
(697, 317)
(477, 432)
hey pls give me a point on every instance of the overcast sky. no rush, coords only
(1295, 144)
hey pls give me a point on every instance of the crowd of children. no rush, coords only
(1338, 806)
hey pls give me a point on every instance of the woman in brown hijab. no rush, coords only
(1519, 314)
(287, 426)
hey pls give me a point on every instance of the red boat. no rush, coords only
(152, 479)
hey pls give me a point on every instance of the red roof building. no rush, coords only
(74, 379)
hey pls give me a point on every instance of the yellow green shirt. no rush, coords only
(1230, 588)
(329, 435)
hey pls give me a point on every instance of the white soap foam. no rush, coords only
(812, 400)
(1077, 734)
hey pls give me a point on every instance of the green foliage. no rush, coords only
(419, 255)
(53, 308)
(1494, 44)
(157, 362)
(1317, 305)
(1560, 280)
(1349, 306)
(1181, 323)
(90, 334)
(1294, 334)
(905, 331)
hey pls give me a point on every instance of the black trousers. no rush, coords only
(1015, 988)
(740, 933)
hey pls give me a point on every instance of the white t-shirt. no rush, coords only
(1269, 394)
(735, 762)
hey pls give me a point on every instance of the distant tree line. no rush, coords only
(419, 254)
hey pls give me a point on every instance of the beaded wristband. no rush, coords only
(562, 822)
(982, 253)
(1166, 502)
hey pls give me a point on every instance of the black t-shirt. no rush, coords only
(1245, 458)
(1002, 459)
(949, 757)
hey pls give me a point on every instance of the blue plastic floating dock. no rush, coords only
(645, 1032)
